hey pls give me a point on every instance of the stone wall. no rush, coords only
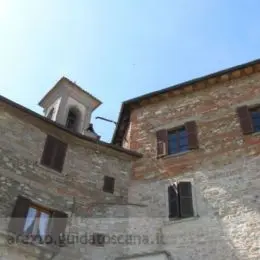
(77, 190)
(224, 172)
(219, 132)
(227, 220)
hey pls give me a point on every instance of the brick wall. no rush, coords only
(224, 172)
(219, 133)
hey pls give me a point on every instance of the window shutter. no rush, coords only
(18, 215)
(191, 128)
(245, 120)
(185, 197)
(173, 202)
(59, 222)
(162, 142)
(60, 155)
(48, 151)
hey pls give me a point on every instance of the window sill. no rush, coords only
(255, 134)
(176, 154)
(180, 220)
(46, 168)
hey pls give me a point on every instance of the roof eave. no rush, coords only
(41, 103)
(61, 127)
(129, 102)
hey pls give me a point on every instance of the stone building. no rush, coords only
(180, 179)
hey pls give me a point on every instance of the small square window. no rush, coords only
(98, 239)
(109, 184)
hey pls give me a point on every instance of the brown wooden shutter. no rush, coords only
(173, 202)
(191, 128)
(18, 216)
(185, 197)
(60, 155)
(245, 120)
(162, 142)
(48, 151)
(59, 222)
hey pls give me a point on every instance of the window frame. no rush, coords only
(56, 225)
(39, 209)
(162, 139)
(252, 109)
(178, 130)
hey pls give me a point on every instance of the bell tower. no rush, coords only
(71, 106)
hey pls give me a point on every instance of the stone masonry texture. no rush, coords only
(224, 172)
(81, 181)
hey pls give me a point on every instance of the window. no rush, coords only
(180, 200)
(109, 184)
(54, 153)
(255, 114)
(249, 119)
(178, 140)
(72, 120)
(50, 115)
(98, 239)
(36, 222)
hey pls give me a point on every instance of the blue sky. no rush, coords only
(120, 49)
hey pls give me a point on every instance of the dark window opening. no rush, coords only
(109, 184)
(180, 200)
(98, 239)
(71, 120)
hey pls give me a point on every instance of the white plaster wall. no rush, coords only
(127, 137)
(55, 105)
(65, 97)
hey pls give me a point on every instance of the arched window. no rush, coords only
(72, 120)
(50, 115)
